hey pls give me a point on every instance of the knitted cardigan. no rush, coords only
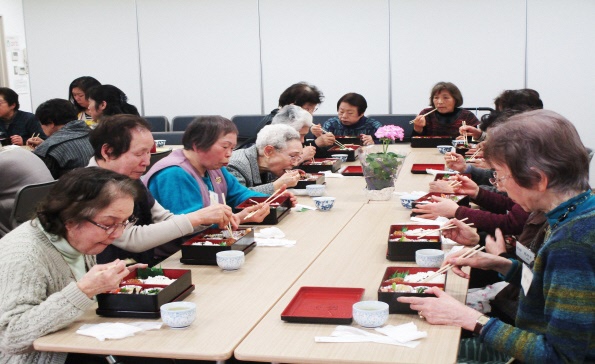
(243, 165)
(38, 294)
(556, 319)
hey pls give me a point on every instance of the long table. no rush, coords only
(233, 307)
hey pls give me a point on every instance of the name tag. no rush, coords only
(525, 254)
(526, 278)
(213, 198)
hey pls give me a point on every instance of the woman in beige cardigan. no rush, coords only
(49, 274)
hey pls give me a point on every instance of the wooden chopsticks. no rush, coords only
(445, 227)
(455, 184)
(339, 144)
(426, 114)
(270, 199)
(468, 254)
(475, 154)
(229, 223)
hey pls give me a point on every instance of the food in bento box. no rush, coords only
(151, 291)
(412, 235)
(326, 162)
(398, 282)
(159, 280)
(223, 235)
(129, 289)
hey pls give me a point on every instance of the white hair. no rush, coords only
(294, 116)
(277, 136)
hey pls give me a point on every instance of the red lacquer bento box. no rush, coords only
(280, 207)
(345, 140)
(135, 298)
(403, 241)
(430, 141)
(323, 305)
(309, 179)
(461, 200)
(321, 164)
(203, 247)
(351, 150)
(394, 285)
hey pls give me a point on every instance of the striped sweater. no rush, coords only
(556, 318)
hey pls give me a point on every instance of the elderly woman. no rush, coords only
(556, 315)
(264, 167)
(122, 143)
(195, 177)
(300, 120)
(351, 120)
(49, 273)
(446, 100)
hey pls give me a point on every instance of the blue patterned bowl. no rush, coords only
(430, 258)
(230, 259)
(324, 203)
(407, 201)
(178, 314)
(342, 157)
(370, 313)
(160, 143)
(443, 149)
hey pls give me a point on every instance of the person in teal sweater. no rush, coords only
(555, 320)
(195, 177)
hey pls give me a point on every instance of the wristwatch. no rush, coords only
(480, 323)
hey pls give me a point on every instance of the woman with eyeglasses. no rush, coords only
(266, 166)
(555, 321)
(351, 120)
(49, 272)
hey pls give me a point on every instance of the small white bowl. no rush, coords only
(160, 143)
(429, 258)
(407, 201)
(443, 149)
(370, 313)
(324, 203)
(230, 259)
(178, 315)
(456, 142)
(342, 157)
(315, 190)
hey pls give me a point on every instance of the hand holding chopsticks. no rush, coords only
(229, 223)
(445, 227)
(271, 198)
(424, 115)
(340, 145)
(468, 254)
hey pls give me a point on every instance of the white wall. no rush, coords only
(11, 12)
(561, 61)
(339, 46)
(200, 57)
(477, 45)
(72, 38)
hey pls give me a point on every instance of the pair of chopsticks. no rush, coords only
(468, 254)
(270, 199)
(339, 144)
(446, 227)
(426, 114)
(35, 135)
(229, 223)
(455, 184)
(475, 154)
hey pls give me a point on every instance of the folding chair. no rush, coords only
(158, 123)
(26, 201)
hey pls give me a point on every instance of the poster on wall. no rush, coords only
(18, 68)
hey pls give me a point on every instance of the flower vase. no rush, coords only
(380, 169)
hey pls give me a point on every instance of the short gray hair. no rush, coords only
(277, 136)
(294, 116)
(547, 142)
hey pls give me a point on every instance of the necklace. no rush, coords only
(563, 217)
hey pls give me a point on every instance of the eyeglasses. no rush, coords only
(110, 229)
(495, 180)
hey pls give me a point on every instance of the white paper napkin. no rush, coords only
(329, 174)
(116, 330)
(272, 236)
(439, 221)
(436, 171)
(300, 207)
(399, 336)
